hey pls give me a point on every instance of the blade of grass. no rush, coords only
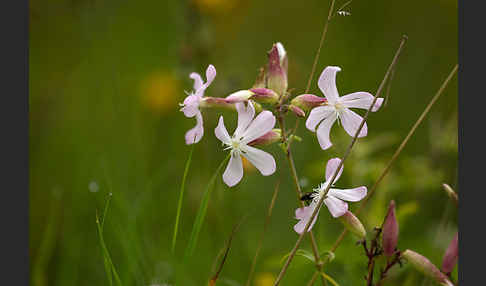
(181, 196)
(201, 214)
(109, 267)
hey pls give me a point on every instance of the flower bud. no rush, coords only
(422, 264)
(450, 192)
(239, 96)
(390, 231)
(260, 80)
(297, 111)
(268, 138)
(277, 69)
(450, 256)
(215, 102)
(264, 95)
(307, 101)
(352, 223)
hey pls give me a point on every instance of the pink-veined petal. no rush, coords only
(245, 116)
(351, 121)
(335, 206)
(360, 100)
(198, 82)
(350, 195)
(331, 167)
(327, 83)
(195, 134)
(234, 171)
(221, 132)
(210, 75)
(263, 123)
(263, 161)
(323, 131)
(304, 214)
(316, 115)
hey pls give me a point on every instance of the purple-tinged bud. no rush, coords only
(297, 111)
(450, 256)
(450, 192)
(308, 101)
(277, 72)
(268, 138)
(215, 102)
(390, 231)
(239, 96)
(422, 264)
(264, 95)
(260, 80)
(352, 223)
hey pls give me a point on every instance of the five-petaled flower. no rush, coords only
(248, 130)
(190, 107)
(322, 118)
(334, 199)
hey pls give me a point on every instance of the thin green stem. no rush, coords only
(201, 214)
(181, 197)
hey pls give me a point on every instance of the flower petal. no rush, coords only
(210, 75)
(350, 195)
(245, 116)
(262, 124)
(360, 100)
(195, 134)
(304, 214)
(335, 206)
(263, 161)
(221, 132)
(327, 83)
(234, 171)
(198, 82)
(191, 105)
(351, 121)
(331, 167)
(323, 131)
(316, 115)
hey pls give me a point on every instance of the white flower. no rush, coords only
(334, 198)
(248, 129)
(190, 107)
(322, 118)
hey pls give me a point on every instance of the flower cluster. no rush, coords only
(256, 124)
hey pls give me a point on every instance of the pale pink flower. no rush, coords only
(190, 107)
(335, 198)
(248, 130)
(322, 118)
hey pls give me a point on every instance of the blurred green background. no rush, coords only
(106, 78)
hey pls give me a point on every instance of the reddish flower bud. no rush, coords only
(308, 101)
(450, 256)
(390, 231)
(277, 69)
(264, 95)
(297, 111)
(268, 138)
(422, 264)
(352, 223)
(239, 96)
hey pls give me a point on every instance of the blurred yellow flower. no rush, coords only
(160, 91)
(264, 279)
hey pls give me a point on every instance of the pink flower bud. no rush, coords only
(277, 69)
(297, 111)
(264, 95)
(215, 102)
(390, 231)
(352, 223)
(422, 264)
(268, 138)
(239, 96)
(450, 256)
(308, 101)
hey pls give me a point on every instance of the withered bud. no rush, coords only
(308, 101)
(297, 111)
(352, 223)
(450, 256)
(274, 135)
(422, 264)
(390, 231)
(215, 102)
(264, 95)
(277, 72)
